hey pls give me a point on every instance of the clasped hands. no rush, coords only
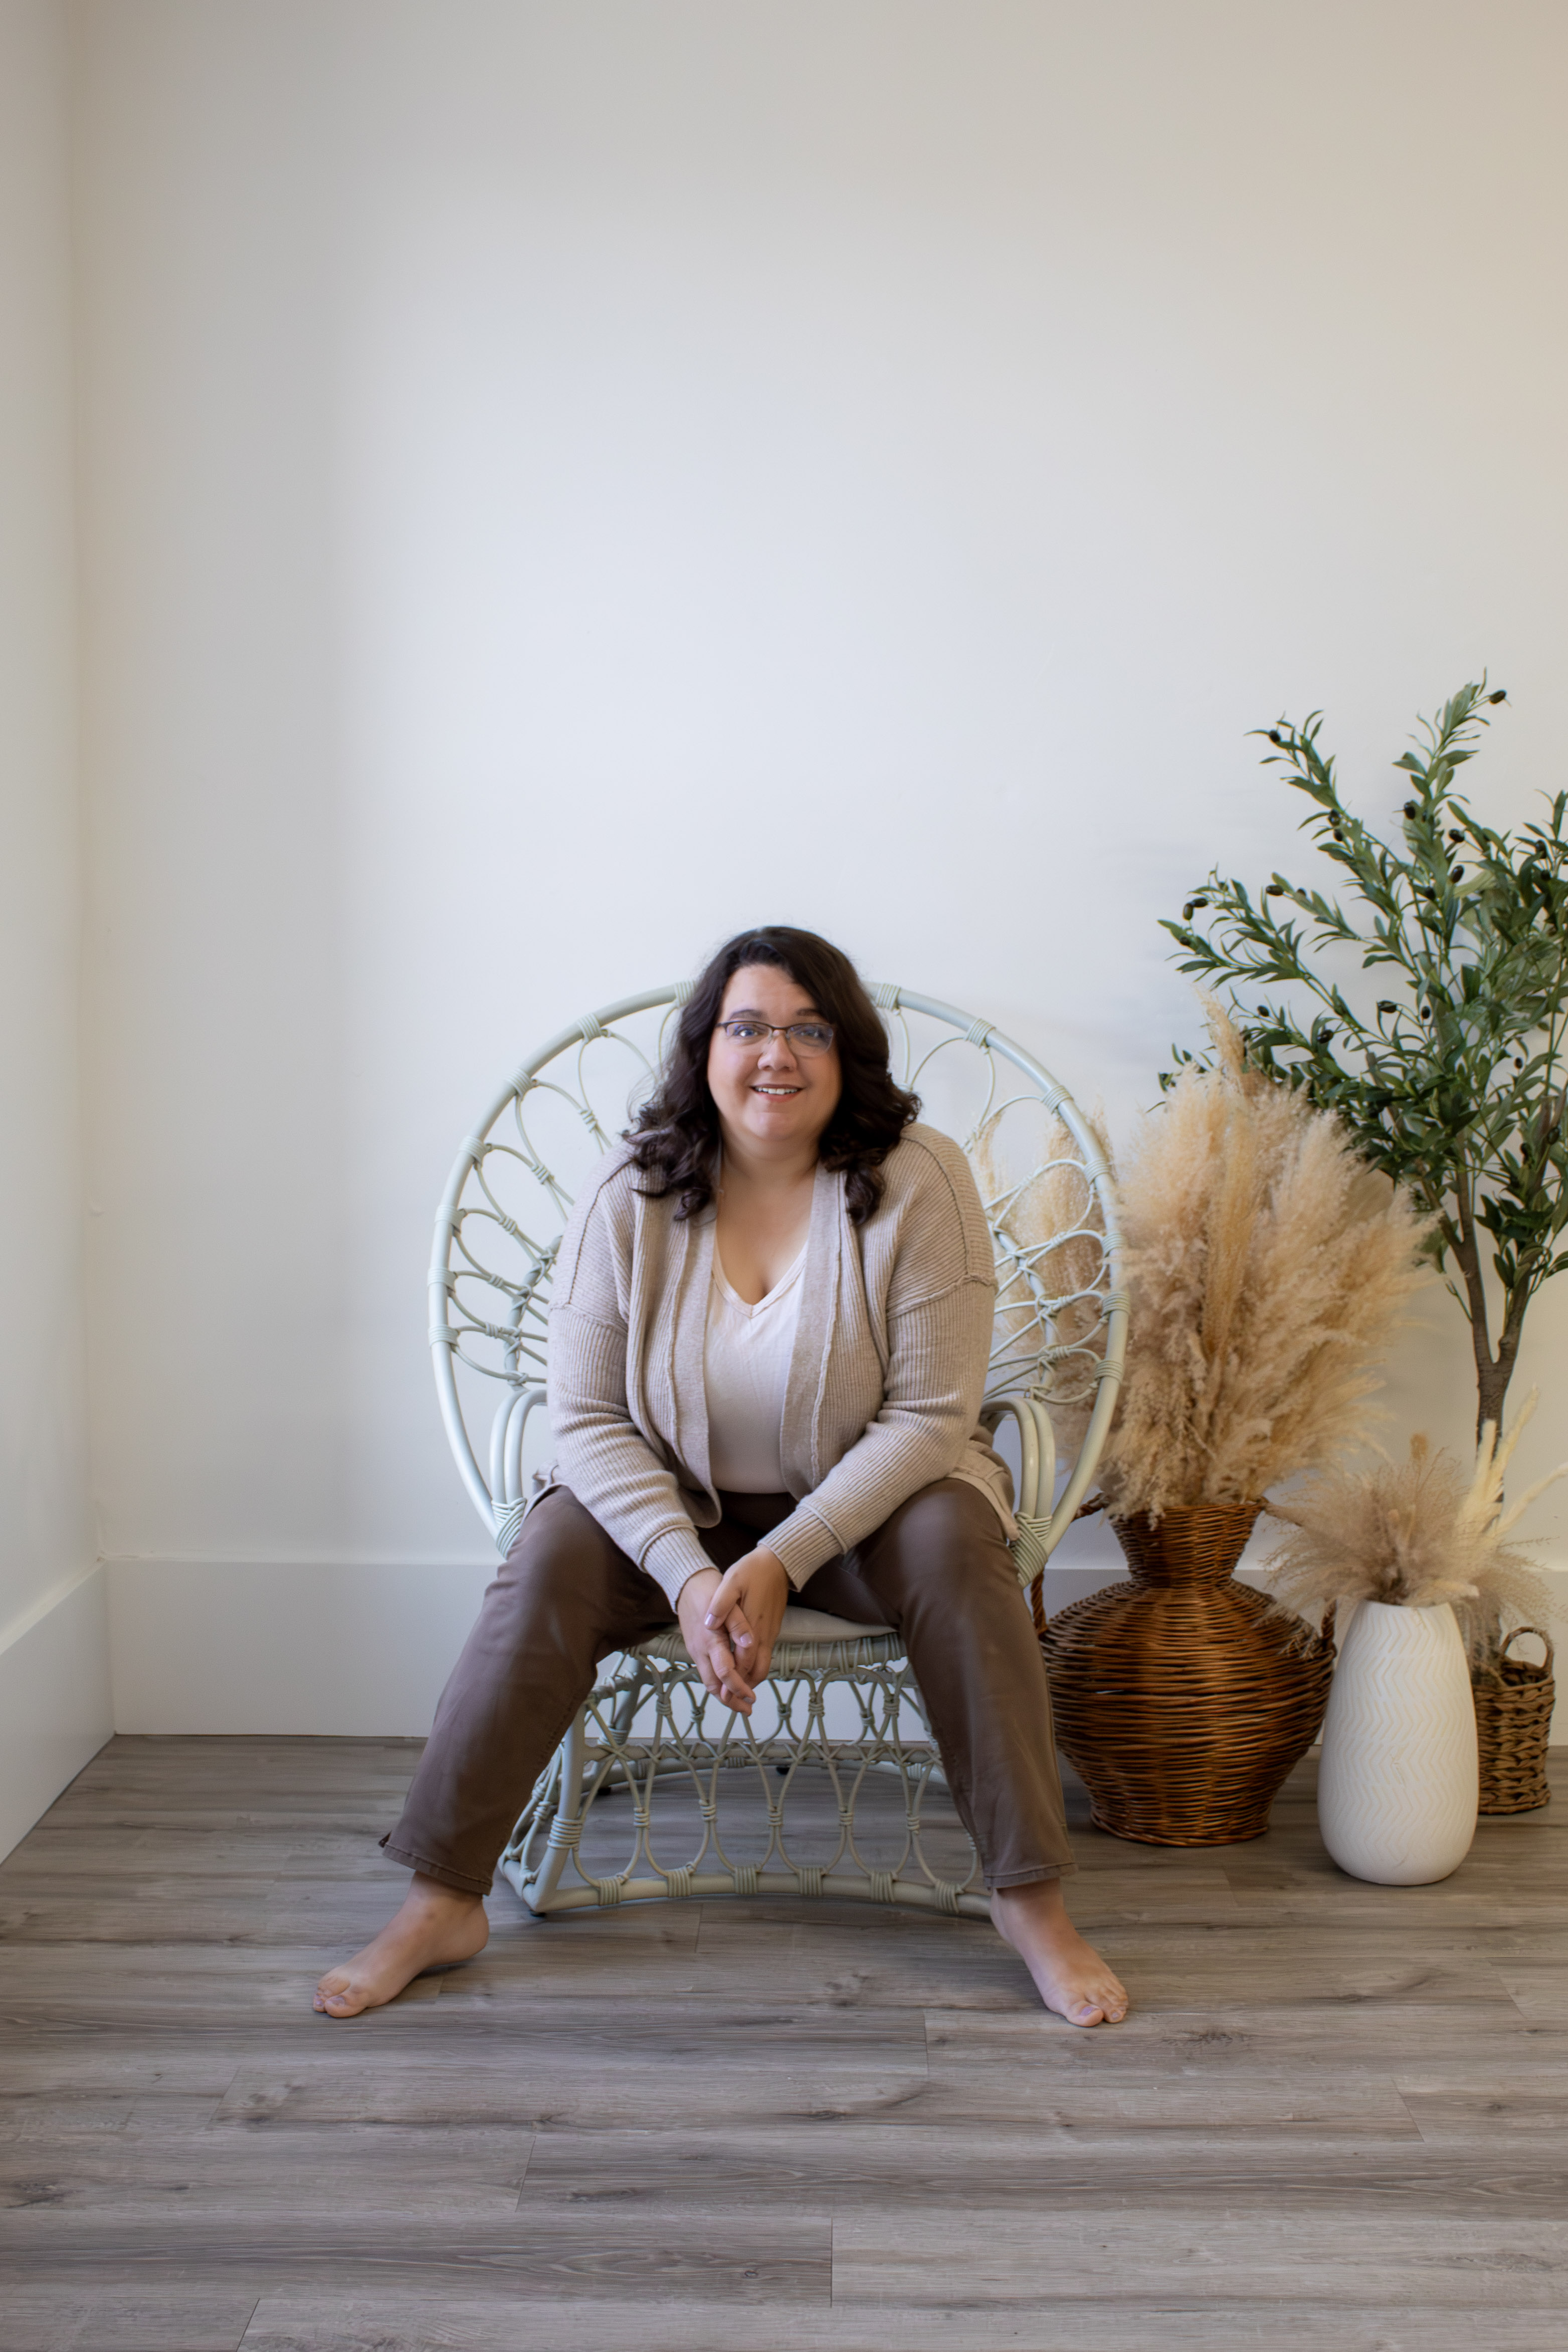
(730, 1622)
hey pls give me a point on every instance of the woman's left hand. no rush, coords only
(750, 1605)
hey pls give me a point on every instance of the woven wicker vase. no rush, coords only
(1178, 1704)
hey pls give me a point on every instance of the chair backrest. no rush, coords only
(1060, 1331)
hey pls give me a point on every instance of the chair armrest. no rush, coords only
(1036, 1478)
(507, 1500)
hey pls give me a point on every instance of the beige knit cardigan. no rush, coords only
(885, 1382)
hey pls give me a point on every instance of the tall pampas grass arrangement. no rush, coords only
(1412, 1534)
(1269, 1268)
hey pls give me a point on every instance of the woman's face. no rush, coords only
(771, 1097)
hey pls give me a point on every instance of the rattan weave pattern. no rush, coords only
(1181, 1704)
(1514, 1700)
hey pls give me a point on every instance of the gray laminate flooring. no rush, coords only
(1335, 2120)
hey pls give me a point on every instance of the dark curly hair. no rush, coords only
(676, 1137)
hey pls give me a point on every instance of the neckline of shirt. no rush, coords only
(785, 1281)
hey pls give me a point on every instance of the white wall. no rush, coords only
(54, 1689)
(566, 480)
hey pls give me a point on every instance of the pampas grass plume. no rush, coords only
(1413, 1534)
(1268, 1268)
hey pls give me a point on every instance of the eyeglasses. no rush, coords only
(806, 1037)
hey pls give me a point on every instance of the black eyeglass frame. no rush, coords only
(781, 1029)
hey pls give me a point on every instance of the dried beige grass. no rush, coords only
(1413, 1534)
(1052, 1224)
(1269, 1268)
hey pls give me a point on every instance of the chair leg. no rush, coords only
(537, 1886)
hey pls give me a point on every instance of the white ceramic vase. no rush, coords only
(1397, 1784)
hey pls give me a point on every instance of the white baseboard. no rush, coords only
(55, 1711)
(336, 1649)
(323, 1648)
(350, 1651)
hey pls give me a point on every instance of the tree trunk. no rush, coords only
(1491, 1389)
(1492, 1373)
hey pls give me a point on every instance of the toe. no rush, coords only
(335, 1997)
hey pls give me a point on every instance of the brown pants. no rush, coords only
(938, 1571)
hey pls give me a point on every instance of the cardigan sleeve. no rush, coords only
(940, 1304)
(600, 1453)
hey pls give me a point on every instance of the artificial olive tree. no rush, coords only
(1453, 1082)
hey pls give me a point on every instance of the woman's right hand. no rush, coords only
(707, 1647)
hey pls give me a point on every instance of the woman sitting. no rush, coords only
(769, 1335)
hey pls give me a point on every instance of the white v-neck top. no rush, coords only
(745, 1369)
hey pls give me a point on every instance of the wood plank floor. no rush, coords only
(1338, 2115)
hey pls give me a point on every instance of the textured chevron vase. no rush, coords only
(1397, 1786)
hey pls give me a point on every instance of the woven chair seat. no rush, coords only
(809, 1639)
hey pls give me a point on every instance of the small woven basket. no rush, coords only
(1513, 1721)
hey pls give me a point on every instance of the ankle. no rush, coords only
(1035, 1894)
(435, 1894)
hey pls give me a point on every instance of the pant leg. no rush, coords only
(939, 1571)
(565, 1599)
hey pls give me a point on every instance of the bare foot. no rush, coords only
(1072, 1978)
(435, 1927)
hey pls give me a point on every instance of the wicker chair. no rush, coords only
(841, 1701)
